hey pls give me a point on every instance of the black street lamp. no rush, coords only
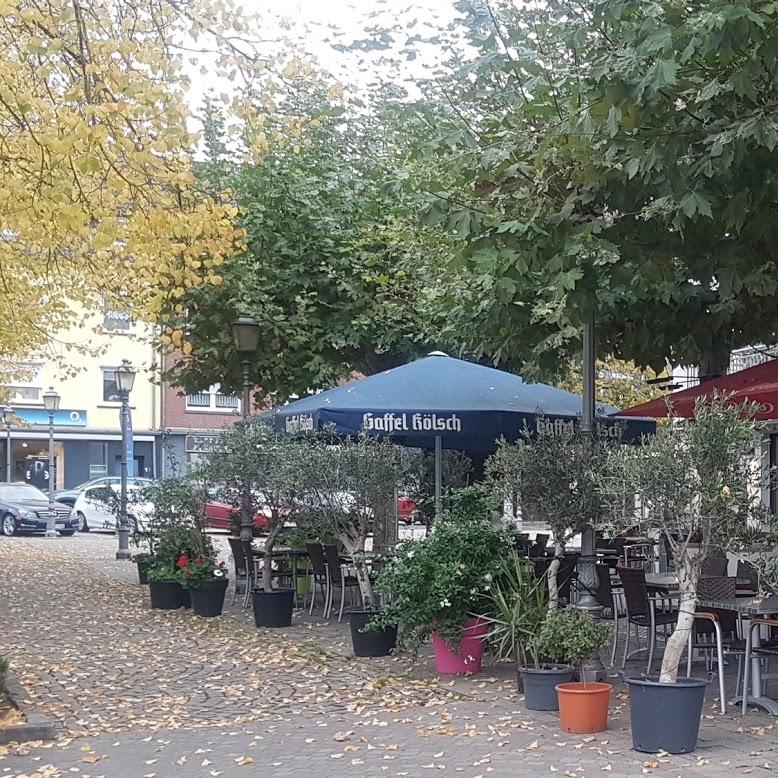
(245, 334)
(8, 414)
(51, 404)
(125, 379)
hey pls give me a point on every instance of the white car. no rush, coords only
(97, 508)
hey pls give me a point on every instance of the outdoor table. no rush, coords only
(288, 553)
(751, 608)
(668, 582)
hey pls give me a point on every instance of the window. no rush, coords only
(117, 321)
(110, 390)
(212, 400)
(27, 385)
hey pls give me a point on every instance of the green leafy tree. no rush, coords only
(615, 156)
(334, 270)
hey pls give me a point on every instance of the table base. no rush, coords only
(766, 703)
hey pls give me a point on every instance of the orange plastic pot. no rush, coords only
(583, 708)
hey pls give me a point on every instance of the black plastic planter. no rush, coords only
(186, 598)
(540, 685)
(208, 598)
(373, 642)
(143, 570)
(166, 595)
(273, 608)
(665, 716)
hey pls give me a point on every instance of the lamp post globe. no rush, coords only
(124, 375)
(51, 404)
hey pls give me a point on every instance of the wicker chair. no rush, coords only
(642, 611)
(716, 630)
(715, 567)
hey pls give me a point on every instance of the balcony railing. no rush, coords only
(199, 400)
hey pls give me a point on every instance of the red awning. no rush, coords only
(755, 384)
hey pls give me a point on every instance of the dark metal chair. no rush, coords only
(319, 575)
(338, 579)
(243, 561)
(642, 611)
(611, 600)
(538, 548)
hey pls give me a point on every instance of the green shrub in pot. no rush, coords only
(439, 583)
(571, 636)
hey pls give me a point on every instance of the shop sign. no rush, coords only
(200, 444)
(62, 417)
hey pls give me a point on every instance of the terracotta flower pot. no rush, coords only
(583, 708)
(465, 657)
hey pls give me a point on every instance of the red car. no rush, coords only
(406, 510)
(220, 515)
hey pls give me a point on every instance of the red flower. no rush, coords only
(183, 561)
(199, 559)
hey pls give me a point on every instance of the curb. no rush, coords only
(37, 726)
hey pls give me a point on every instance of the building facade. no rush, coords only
(87, 432)
(190, 423)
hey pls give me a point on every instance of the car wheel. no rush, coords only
(66, 533)
(82, 525)
(9, 525)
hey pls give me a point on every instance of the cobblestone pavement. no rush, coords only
(148, 693)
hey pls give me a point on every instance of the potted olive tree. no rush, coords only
(698, 488)
(350, 485)
(549, 474)
(264, 472)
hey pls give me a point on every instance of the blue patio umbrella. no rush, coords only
(441, 402)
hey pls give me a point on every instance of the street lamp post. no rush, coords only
(7, 415)
(245, 334)
(125, 378)
(51, 404)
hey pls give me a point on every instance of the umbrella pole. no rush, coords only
(438, 475)
(587, 573)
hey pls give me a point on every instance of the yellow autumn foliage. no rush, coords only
(98, 201)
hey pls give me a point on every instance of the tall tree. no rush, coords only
(335, 271)
(98, 200)
(616, 155)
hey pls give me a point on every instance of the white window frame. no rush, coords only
(103, 370)
(212, 393)
(36, 382)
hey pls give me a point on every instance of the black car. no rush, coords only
(25, 508)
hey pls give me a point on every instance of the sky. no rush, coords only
(317, 24)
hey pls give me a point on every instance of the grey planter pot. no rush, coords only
(665, 716)
(540, 685)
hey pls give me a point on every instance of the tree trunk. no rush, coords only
(715, 363)
(355, 548)
(553, 569)
(267, 563)
(688, 574)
